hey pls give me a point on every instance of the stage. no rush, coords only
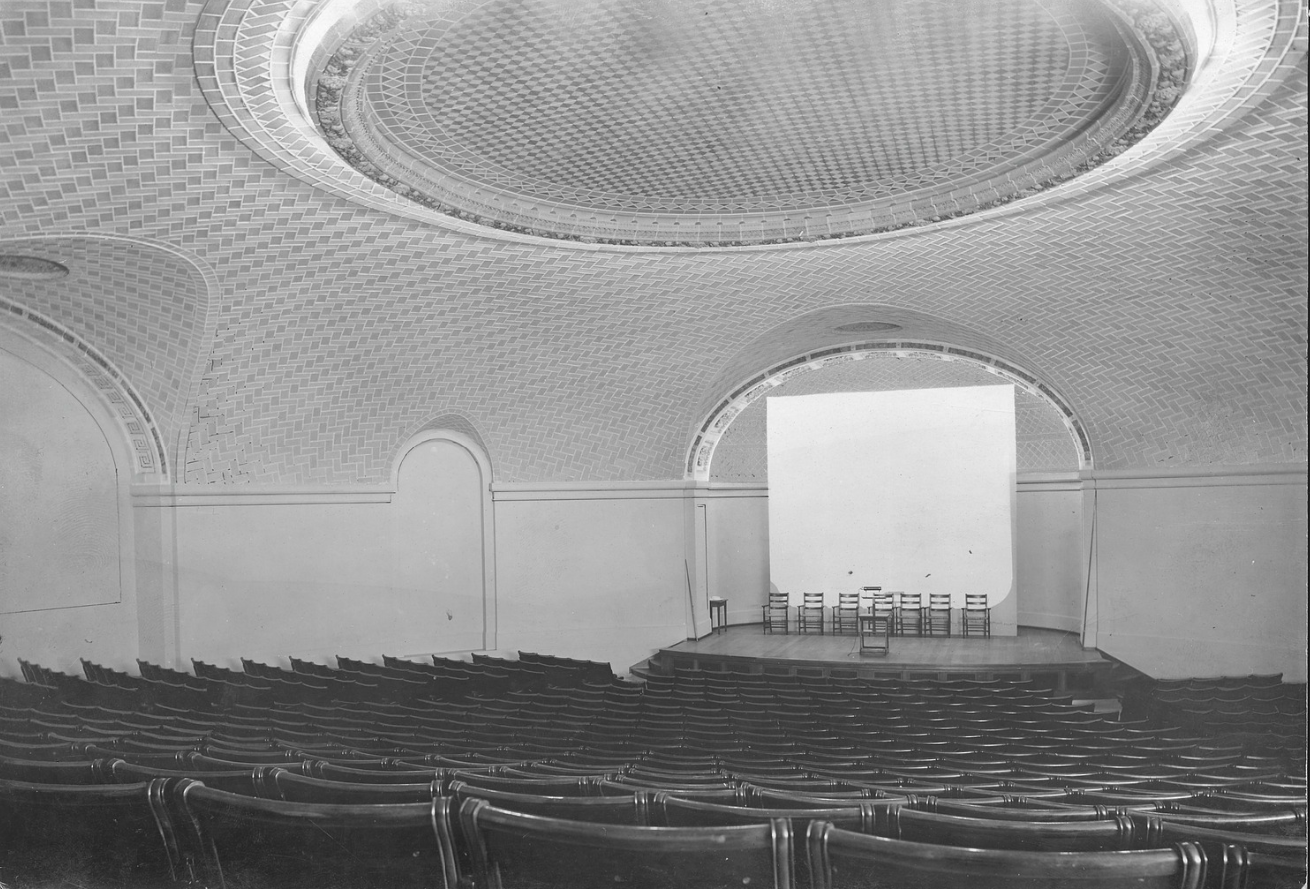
(1050, 656)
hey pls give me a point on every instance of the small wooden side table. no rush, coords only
(718, 614)
(875, 634)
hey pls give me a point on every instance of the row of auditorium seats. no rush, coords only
(204, 832)
(929, 765)
(1247, 705)
(212, 837)
(265, 685)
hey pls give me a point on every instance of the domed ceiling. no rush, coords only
(696, 123)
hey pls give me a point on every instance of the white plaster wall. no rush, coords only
(1192, 580)
(1049, 558)
(62, 589)
(318, 579)
(58, 496)
(739, 554)
(602, 579)
(1203, 577)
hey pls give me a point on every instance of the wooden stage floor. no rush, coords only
(1031, 653)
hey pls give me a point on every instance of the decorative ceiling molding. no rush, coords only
(700, 455)
(138, 427)
(256, 75)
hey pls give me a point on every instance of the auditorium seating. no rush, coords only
(108, 832)
(230, 838)
(514, 849)
(233, 785)
(840, 859)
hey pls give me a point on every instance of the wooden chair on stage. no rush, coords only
(937, 614)
(876, 620)
(882, 606)
(975, 616)
(809, 612)
(845, 614)
(909, 614)
(775, 613)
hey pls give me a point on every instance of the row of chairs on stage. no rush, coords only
(885, 613)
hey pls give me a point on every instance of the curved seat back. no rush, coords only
(239, 840)
(510, 849)
(842, 859)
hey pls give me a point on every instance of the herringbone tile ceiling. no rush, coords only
(304, 336)
(680, 108)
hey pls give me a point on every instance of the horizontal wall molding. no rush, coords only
(257, 495)
(722, 490)
(1042, 482)
(672, 489)
(1200, 476)
(592, 490)
(149, 495)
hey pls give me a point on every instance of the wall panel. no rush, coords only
(602, 579)
(1203, 576)
(66, 576)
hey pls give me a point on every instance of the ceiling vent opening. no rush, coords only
(16, 266)
(867, 327)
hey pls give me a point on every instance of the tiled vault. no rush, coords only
(1167, 307)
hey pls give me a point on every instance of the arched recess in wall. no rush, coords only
(730, 443)
(1052, 447)
(67, 554)
(127, 411)
(442, 479)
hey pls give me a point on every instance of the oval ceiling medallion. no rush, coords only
(17, 266)
(710, 124)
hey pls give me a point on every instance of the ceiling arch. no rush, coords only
(145, 307)
(863, 367)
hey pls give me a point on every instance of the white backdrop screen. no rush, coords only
(909, 490)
